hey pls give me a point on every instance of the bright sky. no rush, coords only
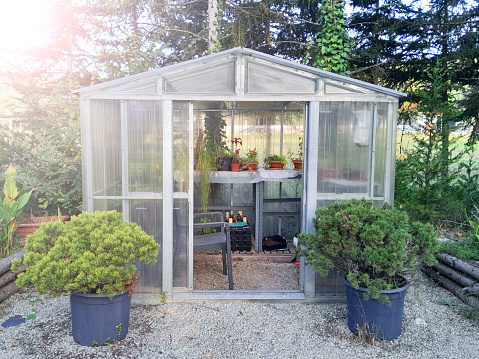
(22, 26)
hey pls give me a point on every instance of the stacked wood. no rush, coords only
(457, 276)
(7, 277)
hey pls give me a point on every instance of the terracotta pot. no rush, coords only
(30, 225)
(251, 166)
(276, 165)
(298, 164)
(235, 167)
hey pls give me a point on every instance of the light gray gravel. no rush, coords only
(246, 330)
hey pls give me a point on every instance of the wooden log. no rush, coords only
(6, 263)
(7, 277)
(452, 287)
(459, 265)
(7, 291)
(454, 275)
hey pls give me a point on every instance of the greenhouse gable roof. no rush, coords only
(237, 74)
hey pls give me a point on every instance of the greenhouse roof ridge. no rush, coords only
(237, 52)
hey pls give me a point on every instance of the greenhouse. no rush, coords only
(144, 139)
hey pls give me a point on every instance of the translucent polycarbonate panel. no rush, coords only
(260, 130)
(145, 146)
(344, 147)
(277, 105)
(263, 79)
(149, 215)
(107, 205)
(105, 135)
(341, 88)
(381, 150)
(180, 243)
(330, 286)
(149, 87)
(180, 146)
(293, 135)
(213, 79)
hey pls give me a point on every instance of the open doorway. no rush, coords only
(268, 201)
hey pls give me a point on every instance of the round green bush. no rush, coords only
(91, 253)
(369, 246)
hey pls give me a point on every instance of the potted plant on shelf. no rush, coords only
(275, 162)
(250, 162)
(370, 247)
(235, 165)
(297, 157)
(91, 259)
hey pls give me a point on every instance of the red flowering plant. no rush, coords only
(236, 141)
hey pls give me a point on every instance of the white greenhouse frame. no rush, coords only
(235, 75)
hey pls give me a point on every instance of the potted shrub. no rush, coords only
(91, 259)
(370, 247)
(275, 162)
(250, 162)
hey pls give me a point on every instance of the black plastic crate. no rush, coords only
(274, 243)
(240, 239)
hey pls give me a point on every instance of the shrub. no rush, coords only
(92, 253)
(369, 246)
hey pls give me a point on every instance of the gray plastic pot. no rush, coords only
(99, 320)
(373, 318)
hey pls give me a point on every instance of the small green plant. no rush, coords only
(274, 157)
(297, 156)
(471, 313)
(10, 209)
(164, 297)
(91, 253)
(369, 246)
(33, 303)
(207, 230)
(447, 302)
(252, 156)
(94, 343)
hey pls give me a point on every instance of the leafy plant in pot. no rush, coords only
(91, 259)
(370, 247)
(275, 162)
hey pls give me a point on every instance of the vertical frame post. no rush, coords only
(168, 202)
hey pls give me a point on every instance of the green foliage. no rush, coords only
(275, 157)
(330, 48)
(369, 246)
(91, 253)
(10, 209)
(426, 177)
(207, 230)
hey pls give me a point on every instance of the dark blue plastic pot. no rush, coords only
(99, 320)
(373, 317)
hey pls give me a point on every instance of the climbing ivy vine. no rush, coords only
(329, 50)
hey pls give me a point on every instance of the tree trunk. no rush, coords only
(212, 24)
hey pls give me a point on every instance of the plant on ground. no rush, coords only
(10, 209)
(369, 246)
(91, 253)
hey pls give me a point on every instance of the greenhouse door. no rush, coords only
(182, 201)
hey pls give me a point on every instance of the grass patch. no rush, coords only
(464, 249)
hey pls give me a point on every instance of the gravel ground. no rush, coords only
(208, 275)
(246, 330)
